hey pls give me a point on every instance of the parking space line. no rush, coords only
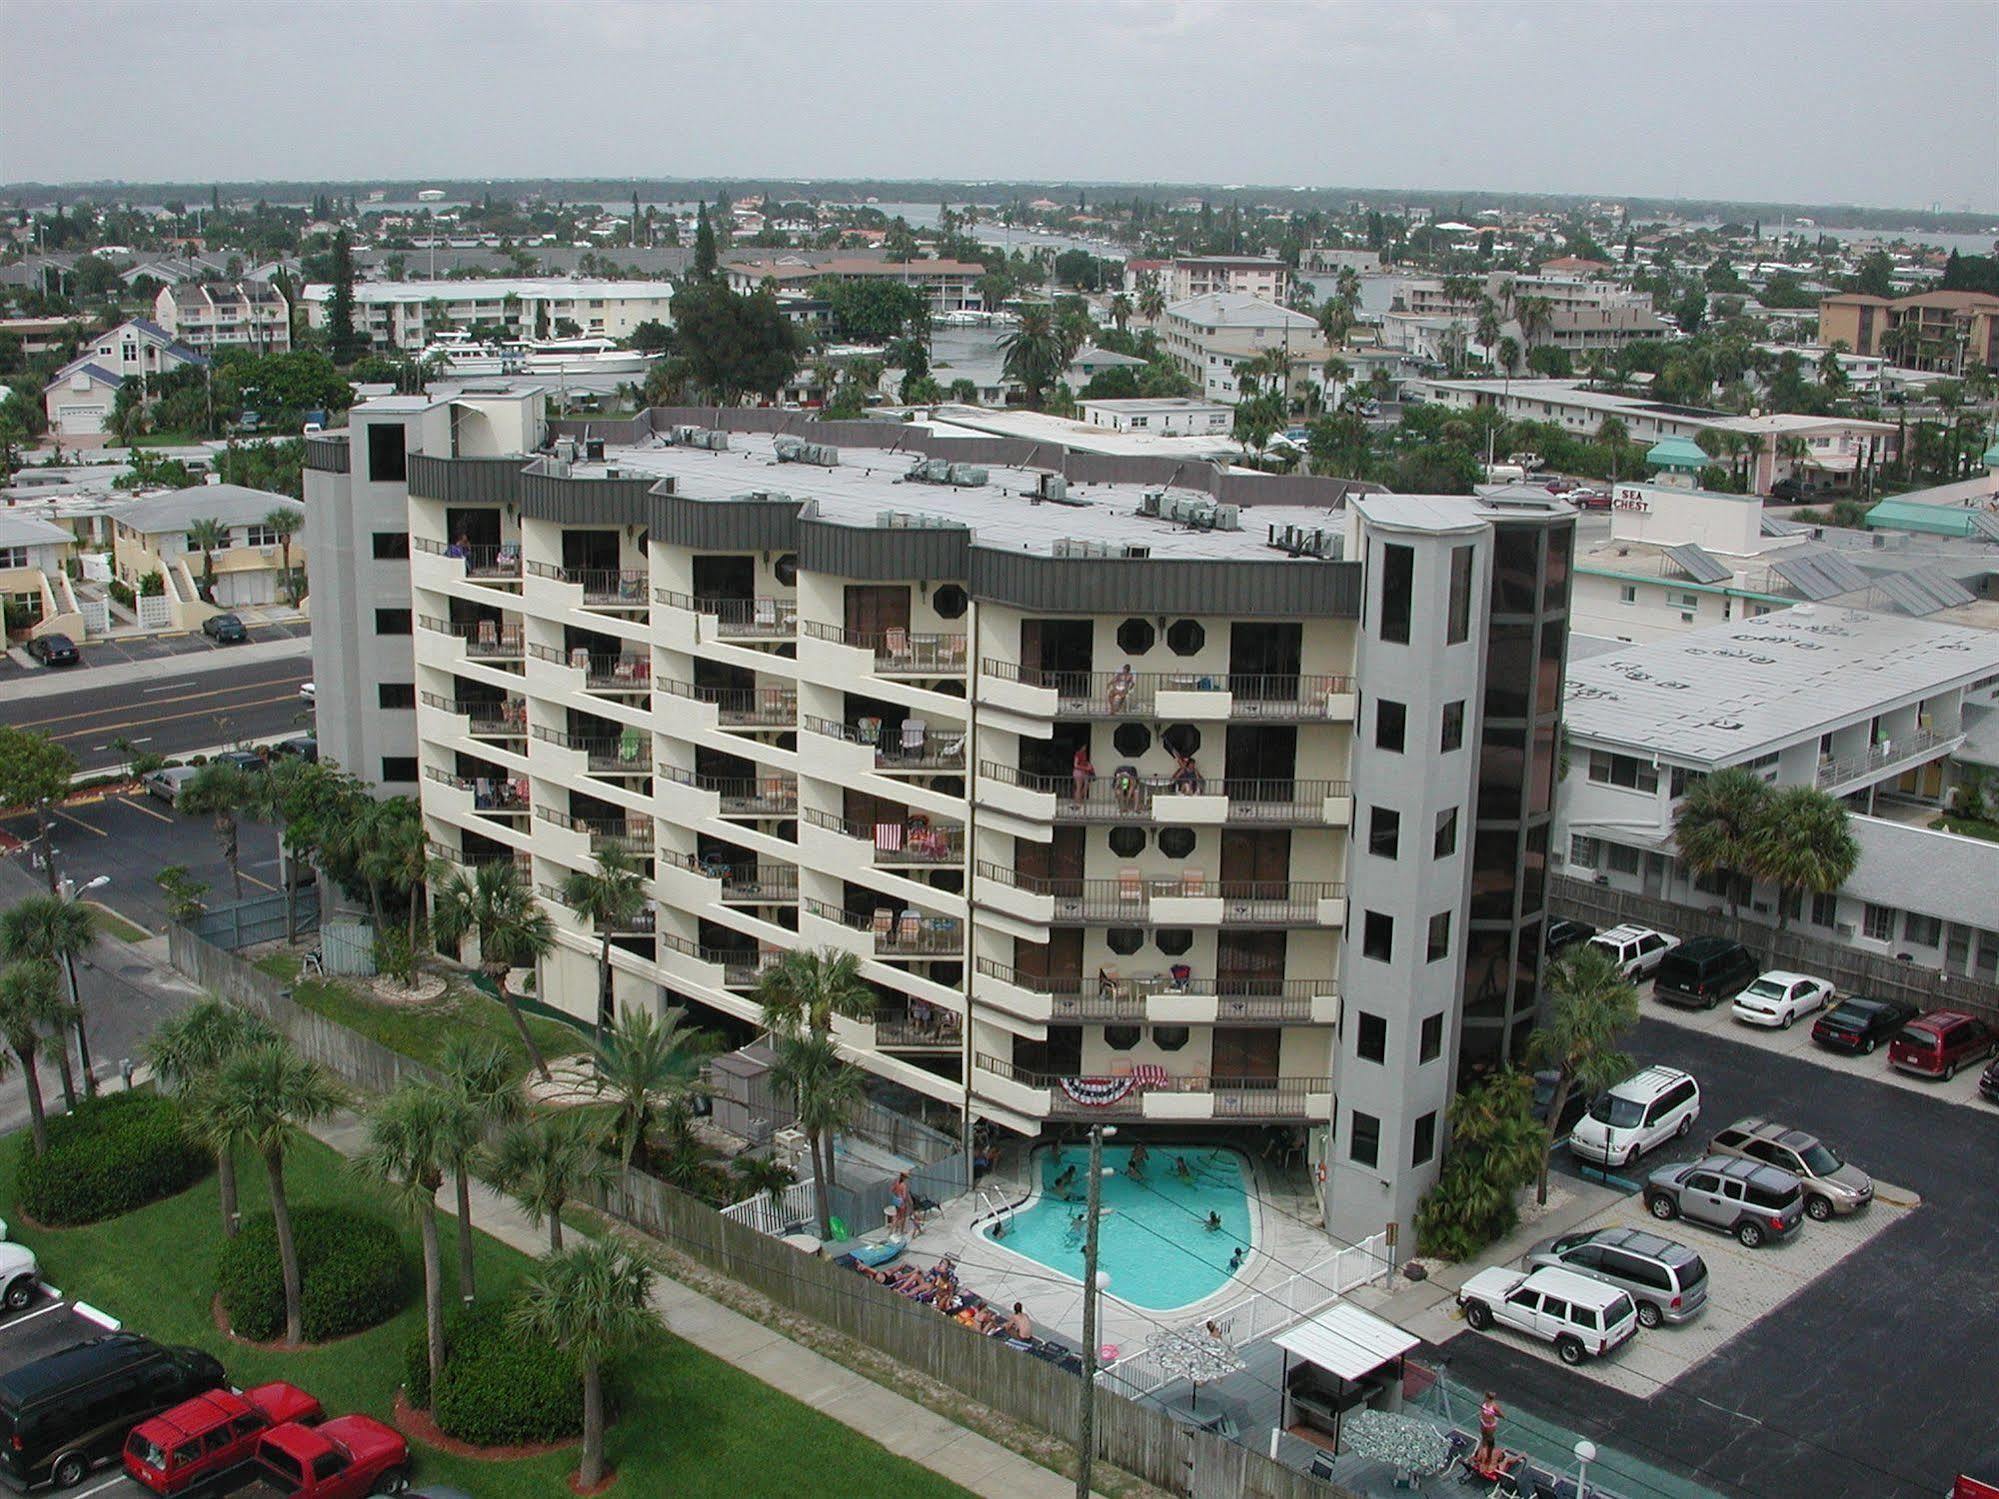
(82, 824)
(142, 807)
(100, 1488)
(54, 1306)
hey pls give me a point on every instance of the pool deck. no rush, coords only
(1284, 1218)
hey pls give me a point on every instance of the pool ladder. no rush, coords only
(994, 1206)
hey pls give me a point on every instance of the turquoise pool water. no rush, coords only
(1153, 1237)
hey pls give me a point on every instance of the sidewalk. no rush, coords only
(40, 682)
(899, 1424)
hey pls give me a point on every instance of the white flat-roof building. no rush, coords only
(404, 316)
(1867, 707)
(931, 717)
(1172, 416)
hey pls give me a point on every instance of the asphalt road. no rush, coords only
(1875, 1383)
(190, 703)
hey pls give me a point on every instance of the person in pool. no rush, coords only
(1182, 1170)
(1066, 1179)
(1135, 1167)
(1236, 1259)
(1214, 1222)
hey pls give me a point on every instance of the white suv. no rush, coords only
(1637, 949)
(1582, 1317)
(20, 1275)
(1645, 1110)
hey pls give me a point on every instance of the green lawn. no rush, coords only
(1969, 827)
(421, 1031)
(117, 926)
(692, 1425)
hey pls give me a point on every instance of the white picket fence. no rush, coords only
(1265, 1313)
(798, 1205)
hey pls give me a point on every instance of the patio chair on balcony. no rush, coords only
(914, 732)
(629, 744)
(895, 643)
(1193, 882)
(910, 931)
(1130, 886)
(764, 614)
(579, 658)
(888, 837)
(489, 633)
(884, 926)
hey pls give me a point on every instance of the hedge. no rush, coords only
(108, 1156)
(353, 1274)
(497, 1390)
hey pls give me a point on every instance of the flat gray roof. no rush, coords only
(1721, 695)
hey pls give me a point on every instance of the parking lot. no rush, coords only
(49, 1325)
(125, 650)
(1867, 1379)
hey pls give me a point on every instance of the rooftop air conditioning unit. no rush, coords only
(1149, 502)
(1228, 517)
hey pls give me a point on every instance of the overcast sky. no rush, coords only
(1889, 104)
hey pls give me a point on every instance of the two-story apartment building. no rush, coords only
(1866, 707)
(33, 583)
(211, 315)
(1140, 808)
(1944, 331)
(1259, 276)
(156, 535)
(405, 316)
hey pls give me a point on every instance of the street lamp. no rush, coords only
(1585, 1451)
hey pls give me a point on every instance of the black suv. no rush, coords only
(62, 1415)
(1704, 972)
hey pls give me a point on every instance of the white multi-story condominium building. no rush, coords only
(1870, 708)
(405, 316)
(1208, 336)
(1129, 814)
(211, 315)
(1257, 276)
(948, 285)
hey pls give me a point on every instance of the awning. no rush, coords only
(1346, 1341)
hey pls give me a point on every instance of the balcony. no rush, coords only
(742, 796)
(908, 934)
(898, 653)
(484, 564)
(1163, 999)
(613, 590)
(1310, 803)
(613, 674)
(770, 707)
(739, 619)
(626, 754)
(499, 797)
(914, 1030)
(913, 749)
(1188, 898)
(746, 884)
(488, 640)
(1161, 1096)
(913, 842)
(740, 967)
(632, 835)
(485, 719)
(1889, 757)
(1170, 694)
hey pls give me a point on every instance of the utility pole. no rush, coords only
(1086, 1426)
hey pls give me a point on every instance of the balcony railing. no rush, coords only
(905, 749)
(602, 672)
(1129, 897)
(741, 966)
(901, 1028)
(629, 753)
(1281, 801)
(1126, 795)
(898, 652)
(611, 587)
(1902, 748)
(486, 719)
(491, 563)
(739, 619)
(904, 934)
(742, 796)
(505, 796)
(1116, 694)
(632, 834)
(1123, 997)
(1088, 1097)
(770, 707)
(749, 882)
(520, 858)
(915, 840)
(485, 639)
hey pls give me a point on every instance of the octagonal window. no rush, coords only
(1185, 637)
(1135, 637)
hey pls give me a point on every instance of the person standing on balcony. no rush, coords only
(1081, 773)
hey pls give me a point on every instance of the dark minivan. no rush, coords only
(1704, 972)
(63, 1414)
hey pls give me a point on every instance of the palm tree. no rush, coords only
(30, 1002)
(1486, 330)
(1507, 355)
(1033, 352)
(1803, 843)
(608, 898)
(49, 929)
(807, 987)
(1534, 315)
(221, 791)
(592, 1302)
(544, 1163)
(1121, 311)
(650, 1066)
(495, 905)
(264, 1097)
(207, 536)
(1717, 818)
(763, 1176)
(186, 1052)
(409, 1135)
(825, 1092)
(396, 856)
(284, 523)
(1795, 451)
(1591, 1004)
(481, 1092)
(1151, 298)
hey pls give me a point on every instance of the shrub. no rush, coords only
(122, 592)
(497, 1391)
(353, 1273)
(109, 1156)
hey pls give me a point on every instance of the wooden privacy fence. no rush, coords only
(1850, 970)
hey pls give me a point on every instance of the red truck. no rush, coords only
(185, 1447)
(349, 1457)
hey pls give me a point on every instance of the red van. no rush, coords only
(185, 1447)
(1940, 1042)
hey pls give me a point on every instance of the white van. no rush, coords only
(1644, 1111)
(1582, 1317)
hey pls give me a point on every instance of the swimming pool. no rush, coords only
(1153, 1237)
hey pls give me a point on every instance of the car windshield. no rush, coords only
(144, 1449)
(1764, 989)
(1618, 1113)
(1820, 1160)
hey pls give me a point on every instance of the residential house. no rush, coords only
(79, 400)
(152, 535)
(34, 582)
